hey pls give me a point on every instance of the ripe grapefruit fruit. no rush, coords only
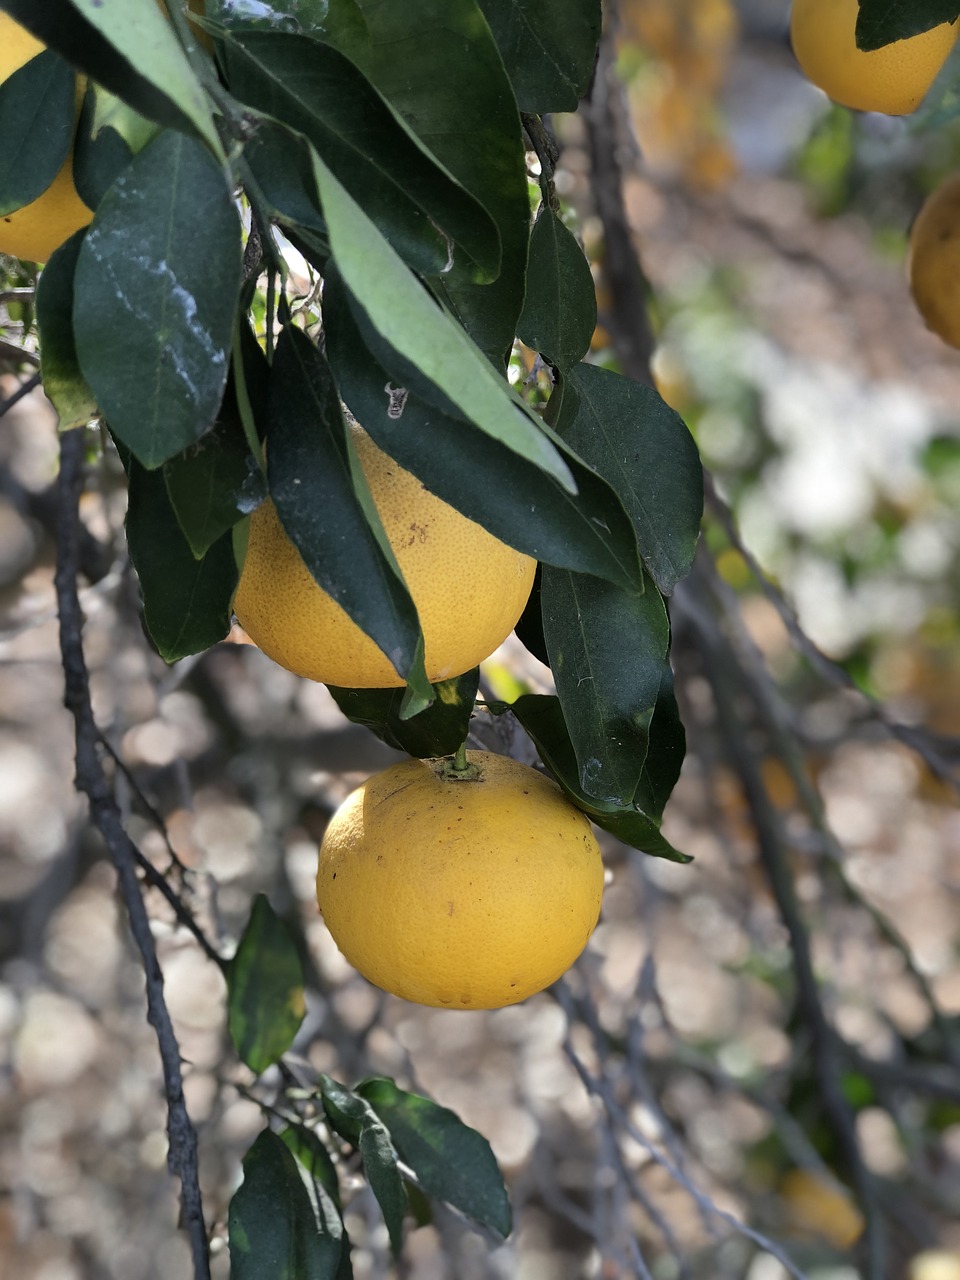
(35, 230)
(933, 261)
(461, 893)
(469, 588)
(893, 80)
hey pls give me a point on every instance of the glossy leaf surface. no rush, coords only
(129, 48)
(155, 297)
(426, 215)
(515, 499)
(542, 717)
(560, 309)
(404, 314)
(450, 70)
(452, 1161)
(607, 649)
(325, 506)
(275, 1227)
(548, 47)
(438, 730)
(265, 1003)
(186, 601)
(354, 1119)
(881, 22)
(63, 382)
(643, 449)
(37, 117)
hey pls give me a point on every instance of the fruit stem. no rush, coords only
(460, 769)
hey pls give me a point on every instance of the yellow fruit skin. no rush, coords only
(34, 231)
(933, 263)
(821, 1208)
(469, 588)
(894, 79)
(460, 894)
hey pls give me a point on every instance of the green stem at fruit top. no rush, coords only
(459, 768)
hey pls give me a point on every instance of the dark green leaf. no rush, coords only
(560, 309)
(451, 71)
(513, 498)
(217, 481)
(882, 21)
(279, 163)
(37, 118)
(410, 321)
(354, 1119)
(317, 17)
(101, 152)
(542, 717)
(424, 213)
(129, 48)
(155, 296)
(668, 744)
(549, 48)
(607, 651)
(313, 1156)
(380, 1165)
(275, 1227)
(529, 629)
(186, 602)
(315, 1161)
(452, 1161)
(264, 989)
(641, 447)
(418, 1205)
(326, 509)
(62, 380)
(437, 731)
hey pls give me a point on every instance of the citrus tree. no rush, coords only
(176, 157)
(306, 271)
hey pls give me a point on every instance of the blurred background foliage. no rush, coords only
(670, 1088)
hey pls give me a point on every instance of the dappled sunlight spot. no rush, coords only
(946, 985)
(32, 823)
(356, 1004)
(195, 988)
(882, 1147)
(701, 1002)
(49, 1022)
(83, 946)
(300, 859)
(228, 835)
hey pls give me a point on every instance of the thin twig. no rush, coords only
(92, 781)
(769, 704)
(19, 355)
(916, 739)
(598, 1086)
(828, 1048)
(24, 389)
(629, 322)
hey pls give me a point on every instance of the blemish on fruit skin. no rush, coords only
(450, 908)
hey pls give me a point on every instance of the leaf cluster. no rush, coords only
(392, 145)
(286, 1218)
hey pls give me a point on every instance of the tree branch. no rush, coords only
(92, 781)
(629, 322)
(24, 389)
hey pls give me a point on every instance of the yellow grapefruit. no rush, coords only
(933, 263)
(35, 230)
(467, 893)
(894, 79)
(469, 588)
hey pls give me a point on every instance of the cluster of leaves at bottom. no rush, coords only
(286, 1218)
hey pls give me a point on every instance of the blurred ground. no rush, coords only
(825, 412)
